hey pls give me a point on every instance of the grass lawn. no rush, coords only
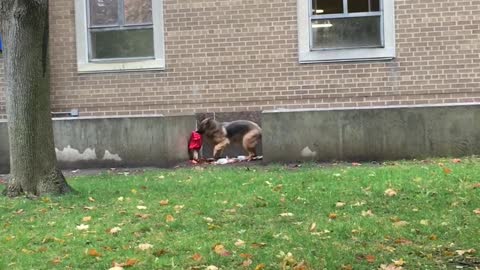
(410, 215)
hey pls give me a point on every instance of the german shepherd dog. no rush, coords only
(220, 135)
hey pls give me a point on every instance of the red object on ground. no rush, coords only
(195, 142)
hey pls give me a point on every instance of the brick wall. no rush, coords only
(241, 55)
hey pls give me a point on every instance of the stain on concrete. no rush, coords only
(70, 154)
(110, 156)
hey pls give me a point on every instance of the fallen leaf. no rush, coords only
(332, 216)
(145, 246)
(433, 237)
(240, 243)
(116, 268)
(477, 185)
(160, 252)
(390, 267)
(370, 258)
(313, 227)
(356, 164)
(368, 213)
(169, 218)
(400, 262)
(88, 207)
(220, 250)
(301, 266)
(346, 267)
(247, 263)
(447, 170)
(211, 267)
(134, 191)
(286, 214)
(91, 199)
(390, 192)
(114, 230)
(340, 204)
(141, 207)
(177, 208)
(477, 211)
(456, 160)
(463, 252)
(131, 262)
(246, 255)
(403, 241)
(143, 216)
(196, 257)
(425, 222)
(260, 266)
(400, 223)
(258, 245)
(120, 199)
(56, 260)
(94, 253)
(163, 202)
(82, 227)
(86, 219)
(208, 219)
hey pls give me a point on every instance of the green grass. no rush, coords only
(224, 204)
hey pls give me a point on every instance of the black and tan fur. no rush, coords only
(221, 134)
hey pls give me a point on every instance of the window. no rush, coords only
(345, 30)
(116, 35)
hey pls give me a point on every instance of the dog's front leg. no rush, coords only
(219, 147)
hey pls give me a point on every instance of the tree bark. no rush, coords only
(33, 164)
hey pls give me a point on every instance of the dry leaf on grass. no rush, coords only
(286, 214)
(211, 267)
(114, 230)
(169, 218)
(145, 246)
(400, 262)
(340, 204)
(196, 257)
(477, 211)
(94, 253)
(400, 223)
(332, 216)
(390, 267)
(86, 219)
(240, 243)
(220, 250)
(367, 213)
(163, 202)
(260, 266)
(313, 227)
(91, 199)
(462, 252)
(141, 207)
(82, 227)
(390, 192)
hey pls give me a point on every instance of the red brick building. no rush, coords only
(136, 57)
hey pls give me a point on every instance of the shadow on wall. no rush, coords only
(231, 150)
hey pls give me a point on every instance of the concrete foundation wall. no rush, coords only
(371, 134)
(115, 142)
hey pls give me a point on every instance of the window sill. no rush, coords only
(96, 67)
(349, 55)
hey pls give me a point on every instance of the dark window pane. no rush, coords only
(320, 7)
(358, 5)
(138, 11)
(122, 44)
(346, 33)
(374, 5)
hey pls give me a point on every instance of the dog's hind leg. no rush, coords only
(219, 147)
(250, 141)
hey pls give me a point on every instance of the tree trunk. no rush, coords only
(33, 164)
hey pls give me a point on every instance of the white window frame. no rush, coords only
(308, 55)
(85, 65)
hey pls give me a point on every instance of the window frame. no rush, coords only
(308, 54)
(87, 65)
